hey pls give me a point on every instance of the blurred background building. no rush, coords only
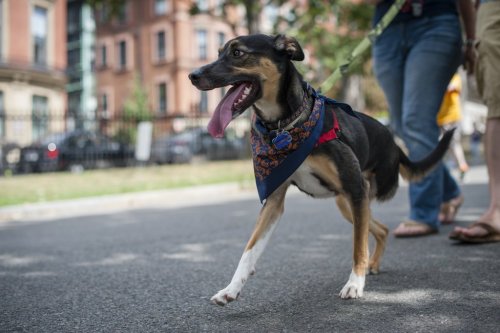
(152, 45)
(32, 67)
(82, 102)
(105, 65)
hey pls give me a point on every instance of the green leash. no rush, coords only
(343, 69)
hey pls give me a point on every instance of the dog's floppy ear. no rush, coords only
(290, 46)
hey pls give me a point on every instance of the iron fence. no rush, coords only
(53, 142)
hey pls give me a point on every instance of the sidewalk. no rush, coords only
(174, 198)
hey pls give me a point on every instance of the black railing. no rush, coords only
(41, 142)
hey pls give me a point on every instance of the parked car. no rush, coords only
(171, 149)
(75, 150)
(181, 147)
(9, 157)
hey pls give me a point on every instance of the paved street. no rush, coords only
(155, 269)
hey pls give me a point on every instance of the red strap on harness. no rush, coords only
(332, 133)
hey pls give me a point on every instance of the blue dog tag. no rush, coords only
(282, 140)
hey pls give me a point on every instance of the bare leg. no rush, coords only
(269, 214)
(458, 153)
(492, 153)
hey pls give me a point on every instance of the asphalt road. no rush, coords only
(154, 270)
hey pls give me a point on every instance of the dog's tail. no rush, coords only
(414, 171)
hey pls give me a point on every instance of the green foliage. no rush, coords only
(111, 8)
(137, 106)
(135, 110)
(332, 29)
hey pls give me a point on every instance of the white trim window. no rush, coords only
(162, 93)
(104, 105)
(103, 55)
(161, 45)
(203, 102)
(40, 116)
(221, 39)
(39, 33)
(161, 7)
(202, 5)
(122, 55)
(201, 39)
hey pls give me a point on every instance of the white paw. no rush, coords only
(225, 296)
(354, 287)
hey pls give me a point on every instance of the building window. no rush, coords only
(74, 19)
(122, 54)
(221, 39)
(203, 102)
(201, 37)
(39, 117)
(104, 56)
(2, 114)
(74, 58)
(161, 7)
(202, 5)
(219, 7)
(160, 45)
(162, 98)
(104, 103)
(39, 24)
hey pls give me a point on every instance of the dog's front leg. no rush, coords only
(361, 220)
(269, 214)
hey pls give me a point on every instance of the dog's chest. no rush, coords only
(309, 181)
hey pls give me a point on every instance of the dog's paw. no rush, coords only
(373, 268)
(353, 288)
(225, 296)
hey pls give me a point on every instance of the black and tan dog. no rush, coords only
(361, 164)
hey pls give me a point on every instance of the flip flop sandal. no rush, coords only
(413, 229)
(449, 210)
(491, 236)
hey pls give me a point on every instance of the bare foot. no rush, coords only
(413, 229)
(491, 218)
(449, 210)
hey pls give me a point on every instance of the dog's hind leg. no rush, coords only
(269, 215)
(377, 229)
(380, 233)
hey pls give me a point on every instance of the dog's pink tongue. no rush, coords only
(223, 113)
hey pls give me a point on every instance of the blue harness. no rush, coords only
(276, 154)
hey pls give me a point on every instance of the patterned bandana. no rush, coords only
(277, 153)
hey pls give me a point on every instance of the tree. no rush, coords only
(135, 110)
(136, 106)
(111, 8)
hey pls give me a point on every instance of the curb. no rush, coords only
(163, 199)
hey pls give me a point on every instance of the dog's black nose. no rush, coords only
(195, 75)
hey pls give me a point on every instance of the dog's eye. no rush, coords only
(237, 53)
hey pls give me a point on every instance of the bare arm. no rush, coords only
(467, 11)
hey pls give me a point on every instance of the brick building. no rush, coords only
(32, 67)
(158, 42)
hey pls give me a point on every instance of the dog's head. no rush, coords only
(253, 65)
